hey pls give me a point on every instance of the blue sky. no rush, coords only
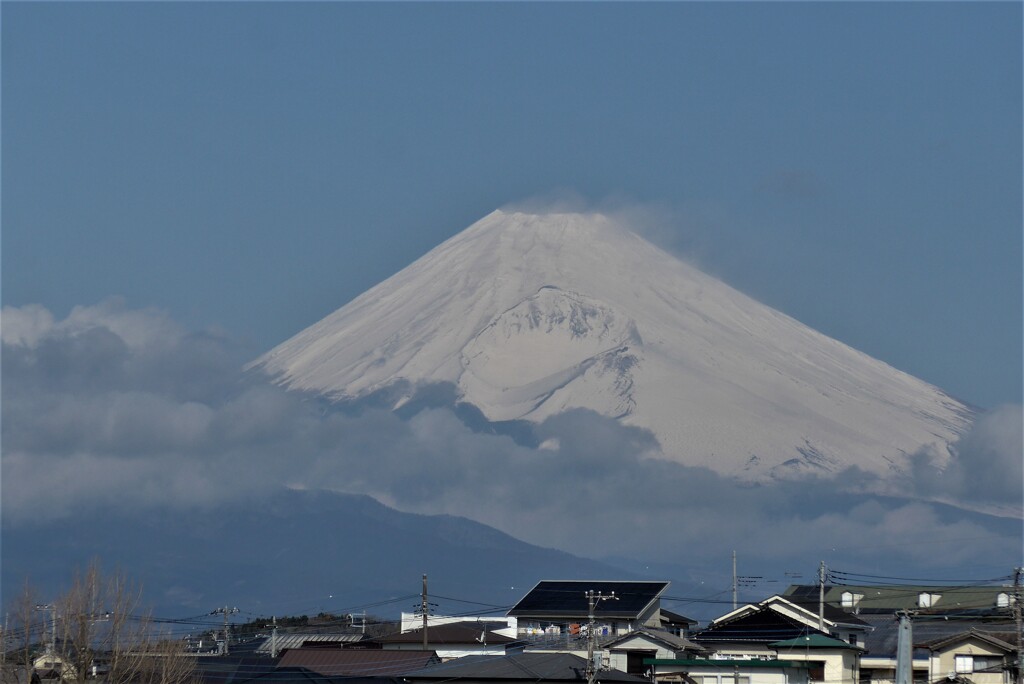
(254, 166)
(237, 171)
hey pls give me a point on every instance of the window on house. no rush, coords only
(1003, 600)
(988, 664)
(926, 600)
(852, 640)
(850, 599)
(963, 664)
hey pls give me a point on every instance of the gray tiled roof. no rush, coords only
(674, 641)
(881, 641)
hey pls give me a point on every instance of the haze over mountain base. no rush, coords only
(120, 427)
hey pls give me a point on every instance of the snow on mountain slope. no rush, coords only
(529, 315)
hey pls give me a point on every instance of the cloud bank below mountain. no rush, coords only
(122, 408)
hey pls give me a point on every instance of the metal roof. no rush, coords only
(567, 599)
(889, 598)
(292, 640)
(357, 662)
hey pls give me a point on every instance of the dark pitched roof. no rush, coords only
(814, 641)
(1002, 641)
(353, 663)
(288, 675)
(468, 632)
(567, 599)
(673, 641)
(672, 618)
(301, 675)
(764, 626)
(231, 669)
(531, 667)
(881, 641)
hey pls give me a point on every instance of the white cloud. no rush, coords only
(987, 467)
(24, 326)
(123, 406)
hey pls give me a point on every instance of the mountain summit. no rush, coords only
(529, 315)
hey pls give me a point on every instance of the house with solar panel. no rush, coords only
(561, 608)
(629, 623)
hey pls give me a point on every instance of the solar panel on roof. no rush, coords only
(569, 598)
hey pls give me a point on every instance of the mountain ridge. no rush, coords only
(295, 546)
(529, 315)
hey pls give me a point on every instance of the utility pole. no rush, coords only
(362, 621)
(273, 636)
(227, 636)
(1017, 618)
(904, 650)
(734, 580)
(821, 597)
(51, 648)
(425, 607)
(593, 598)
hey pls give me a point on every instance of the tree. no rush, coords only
(97, 629)
(22, 629)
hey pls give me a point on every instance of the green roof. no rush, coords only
(884, 598)
(813, 641)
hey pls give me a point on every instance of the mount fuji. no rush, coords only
(526, 316)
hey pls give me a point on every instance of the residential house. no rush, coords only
(451, 640)
(680, 625)
(973, 657)
(725, 670)
(50, 665)
(937, 613)
(502, 625)
(554, 608)
(627, 652)
(771, 642)
(518, 668)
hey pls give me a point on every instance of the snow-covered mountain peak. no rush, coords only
(528, 315)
